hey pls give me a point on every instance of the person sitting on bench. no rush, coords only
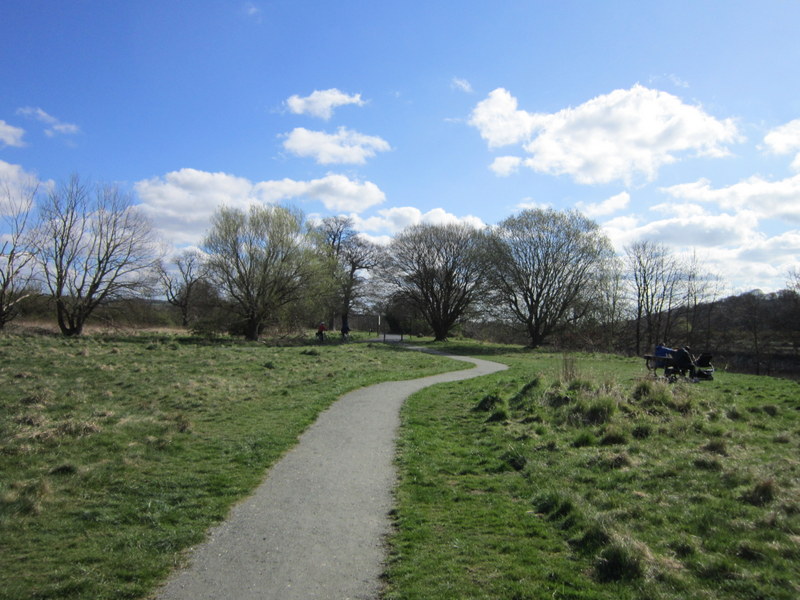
(684, 361)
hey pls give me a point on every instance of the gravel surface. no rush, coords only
(316, 526)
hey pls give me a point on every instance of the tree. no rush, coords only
(349, 257)
(261, 259)
(655, 275)
(93, 246)
(544, 269)
(16, 258)
(439, 270)
(702, 290)
(613, 308)
(182, 284)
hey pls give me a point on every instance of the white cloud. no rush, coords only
(785, 140)
(15, 184)
(461, 84)
(321, 103)
(394, 220)
(252, 11)
(530, 203)
(767, 199)
(503, 166)
(182, 202)
(618, 136)
(606, 207)
(500, 122)
(685, 227)
(344, 146)
(56, 126)
(336, 192)
(10, 135)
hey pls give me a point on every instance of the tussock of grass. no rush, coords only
(118, 453)
(637, 489)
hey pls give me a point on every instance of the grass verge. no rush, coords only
(117, 453)
(579, 477)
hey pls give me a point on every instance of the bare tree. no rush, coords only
(439, 270)
(545, 267)
(655, 275)
(93, 246)
(793, 282)
(350, 256)
(261, 259)
(16, 258)
(613, 306)
(702, 290)
(181, 283)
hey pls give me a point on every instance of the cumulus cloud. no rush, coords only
(344, 146)
(767, 199)
(15, 184)
(394, 220)
(504, 166)
(321, 103)
(500, 122)
(10, 135)
(336, 192)
(686, 231)
(182, 202)
(54, 125)
(619, 136)
(606, 207)
(785, 140)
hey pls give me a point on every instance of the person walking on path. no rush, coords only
(317, 525)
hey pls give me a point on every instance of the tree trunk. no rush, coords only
(252, 329)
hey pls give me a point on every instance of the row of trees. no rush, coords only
(541, 272)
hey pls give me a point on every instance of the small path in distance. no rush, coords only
(316, 527)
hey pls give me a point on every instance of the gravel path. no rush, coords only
(316, 526)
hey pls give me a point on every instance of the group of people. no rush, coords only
(682, 359)
(322, 329)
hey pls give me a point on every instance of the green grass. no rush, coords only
(116, 453)
(580, 477)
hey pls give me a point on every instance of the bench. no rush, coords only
(703, 367)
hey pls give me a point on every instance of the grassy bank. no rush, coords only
(118, 452)
(581, 478)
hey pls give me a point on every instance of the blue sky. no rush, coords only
(674, 121)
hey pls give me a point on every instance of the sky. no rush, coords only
(677, 122)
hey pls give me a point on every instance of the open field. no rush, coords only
(563, 477)
(578, 477)
(118, 452)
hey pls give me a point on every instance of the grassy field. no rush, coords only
(579, 477)
(116, 453)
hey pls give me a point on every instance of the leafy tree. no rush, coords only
(439, 270)
(545, 268)
(261, 259)
(94, 246)
(16, 258)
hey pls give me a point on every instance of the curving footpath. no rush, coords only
(316, 526)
